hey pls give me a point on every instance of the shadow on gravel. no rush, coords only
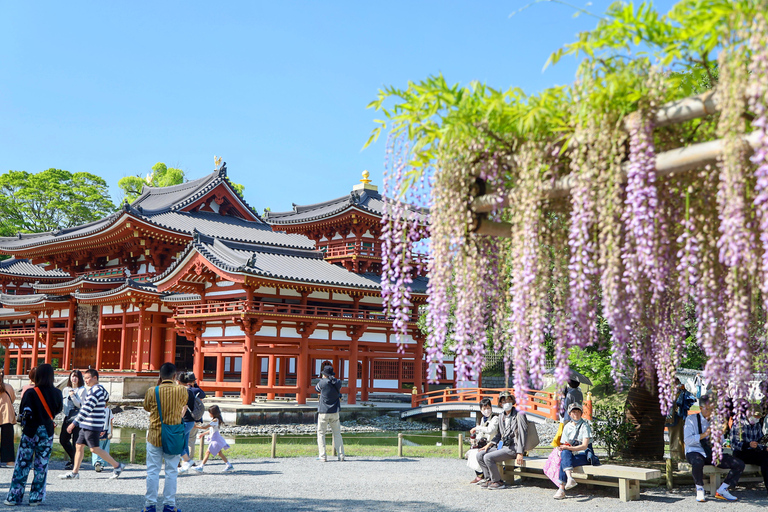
(73, 501)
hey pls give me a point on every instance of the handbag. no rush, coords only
(556, 441)
(172, 436)
(532, 438)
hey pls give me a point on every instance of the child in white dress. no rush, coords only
(216, 445)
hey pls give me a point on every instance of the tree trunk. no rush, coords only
(642, 406)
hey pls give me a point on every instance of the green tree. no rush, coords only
(50, 200)
(161, 176)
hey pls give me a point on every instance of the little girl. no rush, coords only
(216, 444)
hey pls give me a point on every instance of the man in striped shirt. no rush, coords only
(91, 420)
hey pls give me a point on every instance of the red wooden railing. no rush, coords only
(16, 332)
(214, 308)
(340, 250)
(541, 403)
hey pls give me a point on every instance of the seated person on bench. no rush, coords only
(698, 451)
(507, 444)
(482, 433)
(576, 437)
(745, 441)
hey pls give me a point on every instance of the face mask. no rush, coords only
(753, 420)
(507, 406)
(486, 412)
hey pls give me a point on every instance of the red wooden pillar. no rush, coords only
(100, 341)
(156, 344)
(353, 351)
(169, 351)
(271, 371)
(49, 339)
(19, 359)
(70, 332)
(219, 372)
(302, 369)
(33, 364)
(197, 364)
(364, 380)
(246, 368)
(124, 341)
(418, 365)
(282, 365)
(140, 340)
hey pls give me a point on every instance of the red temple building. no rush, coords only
(193, 275)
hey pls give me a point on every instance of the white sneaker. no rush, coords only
(701, 497)
(725, 495)
(341, 458)
(560, 494)
(70, 476)
(185, 466)
(570, 484)
(229, 467)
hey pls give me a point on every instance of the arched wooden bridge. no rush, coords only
(539, 406)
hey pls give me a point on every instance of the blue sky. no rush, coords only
(279, 89)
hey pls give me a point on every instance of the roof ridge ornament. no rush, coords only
(220, 166)
(195, 235)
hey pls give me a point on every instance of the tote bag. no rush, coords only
(552, 466)
(171, 435)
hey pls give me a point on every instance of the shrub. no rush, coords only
(610, 427)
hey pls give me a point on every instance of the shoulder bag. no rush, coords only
(172, 436)
(45, 404)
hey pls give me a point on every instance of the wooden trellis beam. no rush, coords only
(670, 162)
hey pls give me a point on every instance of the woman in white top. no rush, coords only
(484, 432)
(73, 394)
(577, 435)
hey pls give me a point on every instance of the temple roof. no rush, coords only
(23, 268)
(369, 201)
(79, 282)
(128, 284)
(154, 200)
(305, 266)
(30, 300)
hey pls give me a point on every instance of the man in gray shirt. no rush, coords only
(328, 406)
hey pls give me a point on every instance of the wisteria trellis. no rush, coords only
(637, 251)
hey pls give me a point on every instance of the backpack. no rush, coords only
(532, 439)
(199, 410)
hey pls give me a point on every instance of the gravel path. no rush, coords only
(364, 484)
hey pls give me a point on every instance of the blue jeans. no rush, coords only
(35, 449)
(104, 445)
(155, 458)
(188, 426)
(569, 461)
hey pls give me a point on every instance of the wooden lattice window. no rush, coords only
(385, 369)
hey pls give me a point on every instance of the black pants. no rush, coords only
(757, 457)
(65, 438)
(7, 453)
(698, 461)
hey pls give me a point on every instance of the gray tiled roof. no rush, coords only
(182, 297)
(77, 280)
(155, 200)
(229, 228)
(284, 264)
(127, 283)
(25, 268)
(32, 239)
(29, 300)
(366, 200)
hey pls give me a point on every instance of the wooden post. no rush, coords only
(461, 446)
(139, 341)
(273, 452)
(220, 372)
(133, 449)
(49, 340)
(271, 374)
(100, 341)
(33, 363)
(66, 364)
(123, 339)
(670, 476)
(7, 358)
(302, 370)
(399, 444)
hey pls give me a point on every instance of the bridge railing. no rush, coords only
(541, 403)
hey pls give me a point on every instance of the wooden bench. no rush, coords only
(628, 478)
(713, 475)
